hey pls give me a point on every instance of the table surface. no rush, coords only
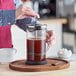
(71, 71)
(62, 21)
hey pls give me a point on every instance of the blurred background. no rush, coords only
(60, 16)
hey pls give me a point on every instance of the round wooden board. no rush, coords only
(53, 64)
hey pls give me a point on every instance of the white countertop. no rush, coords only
(72, 58)
(71, 71)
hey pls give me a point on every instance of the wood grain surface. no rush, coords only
(62, 21)
(53, 64)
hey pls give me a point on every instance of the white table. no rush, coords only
(71, 71)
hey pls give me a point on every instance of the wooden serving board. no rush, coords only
(53, 64)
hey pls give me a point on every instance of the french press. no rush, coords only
(36, 44)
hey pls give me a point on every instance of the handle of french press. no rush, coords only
(48, 46)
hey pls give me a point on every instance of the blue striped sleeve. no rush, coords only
(18, 3)
(23, 22)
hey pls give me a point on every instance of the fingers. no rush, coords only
(51, 33)
(29, 12)
(51, 42)
(51, 37)
(25, 11)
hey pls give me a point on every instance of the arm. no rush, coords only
(22, 15)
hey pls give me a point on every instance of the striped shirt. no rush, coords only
(18, 3)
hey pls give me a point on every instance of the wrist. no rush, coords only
(18, 13)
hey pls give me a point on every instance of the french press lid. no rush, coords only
(34, 27)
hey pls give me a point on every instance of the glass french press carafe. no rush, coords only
(36, 44)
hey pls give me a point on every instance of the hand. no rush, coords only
(25, 11)
(51, 38)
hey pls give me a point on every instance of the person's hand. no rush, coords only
(25, 11)
(50, 38)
